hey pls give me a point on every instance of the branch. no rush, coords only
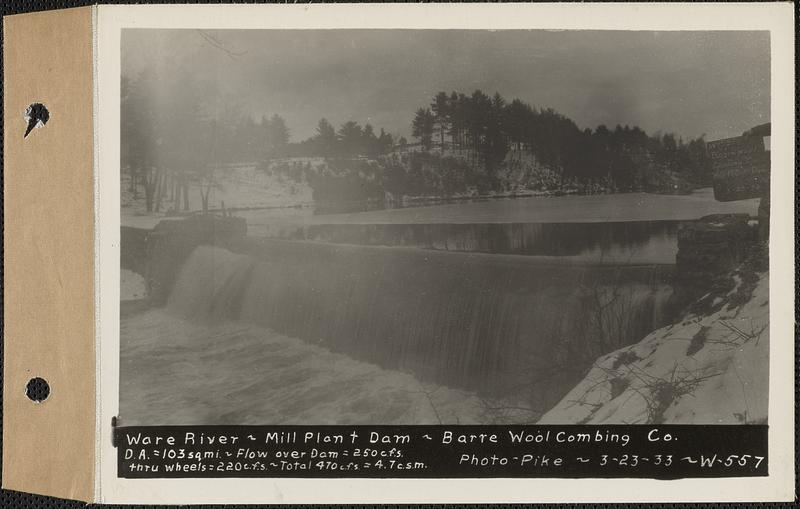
(216, 43)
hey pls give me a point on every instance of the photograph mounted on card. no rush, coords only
(450, 253)
(443, 252)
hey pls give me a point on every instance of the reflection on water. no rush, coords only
(637, 242)
(626, 228)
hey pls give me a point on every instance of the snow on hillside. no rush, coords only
(237, 186)
(248, 186)
(704, 370)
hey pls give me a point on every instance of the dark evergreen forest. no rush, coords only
(172, 137)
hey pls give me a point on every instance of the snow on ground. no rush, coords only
(248, 186)
(132, 286)
(705, 370)
(237, 186)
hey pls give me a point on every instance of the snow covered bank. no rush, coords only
(132, 286)
(710, 369)
(236, 186)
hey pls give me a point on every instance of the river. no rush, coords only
(454, 313)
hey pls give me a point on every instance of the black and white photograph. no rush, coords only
(444, 227)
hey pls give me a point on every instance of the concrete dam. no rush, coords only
(498, 325)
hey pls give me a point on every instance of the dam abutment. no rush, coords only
(158, 254)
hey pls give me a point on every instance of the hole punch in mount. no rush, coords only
(36, 115)
(37, 389)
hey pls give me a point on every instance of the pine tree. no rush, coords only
(441, 111)
(350, 137)
(422, 127)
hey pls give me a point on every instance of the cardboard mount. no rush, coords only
(49, 322)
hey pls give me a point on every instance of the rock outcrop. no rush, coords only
(708, 252)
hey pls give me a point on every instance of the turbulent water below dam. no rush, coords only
(176, 371)
(285, 331)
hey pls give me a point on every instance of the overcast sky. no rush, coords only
(689, 83)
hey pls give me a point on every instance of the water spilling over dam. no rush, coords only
(486, 323)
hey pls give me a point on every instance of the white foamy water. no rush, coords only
(175, 372)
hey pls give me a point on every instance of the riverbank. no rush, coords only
(625, 207)
(706, 368)
(263, 196)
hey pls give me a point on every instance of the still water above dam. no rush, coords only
(632, 228)
(639, 242)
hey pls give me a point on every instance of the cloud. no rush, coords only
(687, 82)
